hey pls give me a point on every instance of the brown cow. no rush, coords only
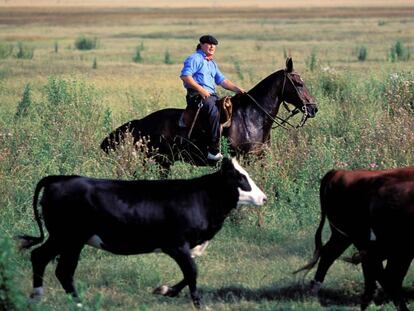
(373, 210)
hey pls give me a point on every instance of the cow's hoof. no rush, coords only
(366, 300)
(34, 299)
(162, 290)
(197, 302)
(165, 290)
(314, 288)
(36, 295)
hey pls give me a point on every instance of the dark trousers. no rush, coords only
(209, 116)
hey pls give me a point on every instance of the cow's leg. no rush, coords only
(373, 270)
(66, 267)
(336, 245)
(40, 257)
(395, 271)
(182, 256)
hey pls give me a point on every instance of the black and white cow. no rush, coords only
(134, 217)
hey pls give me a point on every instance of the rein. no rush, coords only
(273, 119)
(280, 121)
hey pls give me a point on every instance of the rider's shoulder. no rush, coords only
(196, 56)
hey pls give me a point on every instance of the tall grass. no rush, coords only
(11, 298)
(65, 125)
(24, 103)
(311, 61)
(6, 50)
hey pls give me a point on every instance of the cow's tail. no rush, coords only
(318, 235)
(27, 241)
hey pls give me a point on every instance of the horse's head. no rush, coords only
(295, 92)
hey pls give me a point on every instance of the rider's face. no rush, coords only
(208, 48)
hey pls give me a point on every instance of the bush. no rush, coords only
(137, 57)
(85, 43)
(167, 58)
(399, 52)
(334, 85)
(141, 46)
(94, 63)
(24, 52)
(362, 53)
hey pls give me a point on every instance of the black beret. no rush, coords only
(208, 39)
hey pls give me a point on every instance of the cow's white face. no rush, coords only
(254, 195)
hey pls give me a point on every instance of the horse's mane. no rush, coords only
(264, 85)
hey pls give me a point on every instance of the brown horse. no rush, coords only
(254, 114)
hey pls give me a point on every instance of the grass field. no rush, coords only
(57, 103)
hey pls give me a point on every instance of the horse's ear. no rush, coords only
(289, 64)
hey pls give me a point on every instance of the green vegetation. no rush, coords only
(6, 49)
(399, 52)
(65, 108)
(24, 104)
(312, 61)
(85, 43)
(137, 57)
(24, 51)
(11, 298)
(95, 63)
(362, 53)
(238, 70)
(167, 58)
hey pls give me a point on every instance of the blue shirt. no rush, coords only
(204, 72)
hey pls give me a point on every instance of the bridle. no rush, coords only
(278, 121)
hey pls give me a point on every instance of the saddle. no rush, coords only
(225, 108)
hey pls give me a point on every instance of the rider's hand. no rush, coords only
(204, 94)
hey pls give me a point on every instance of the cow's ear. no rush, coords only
(289, 64)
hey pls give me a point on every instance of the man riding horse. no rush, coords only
(200, 75)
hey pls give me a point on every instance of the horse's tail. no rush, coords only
(27, 241)
(318, 235)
